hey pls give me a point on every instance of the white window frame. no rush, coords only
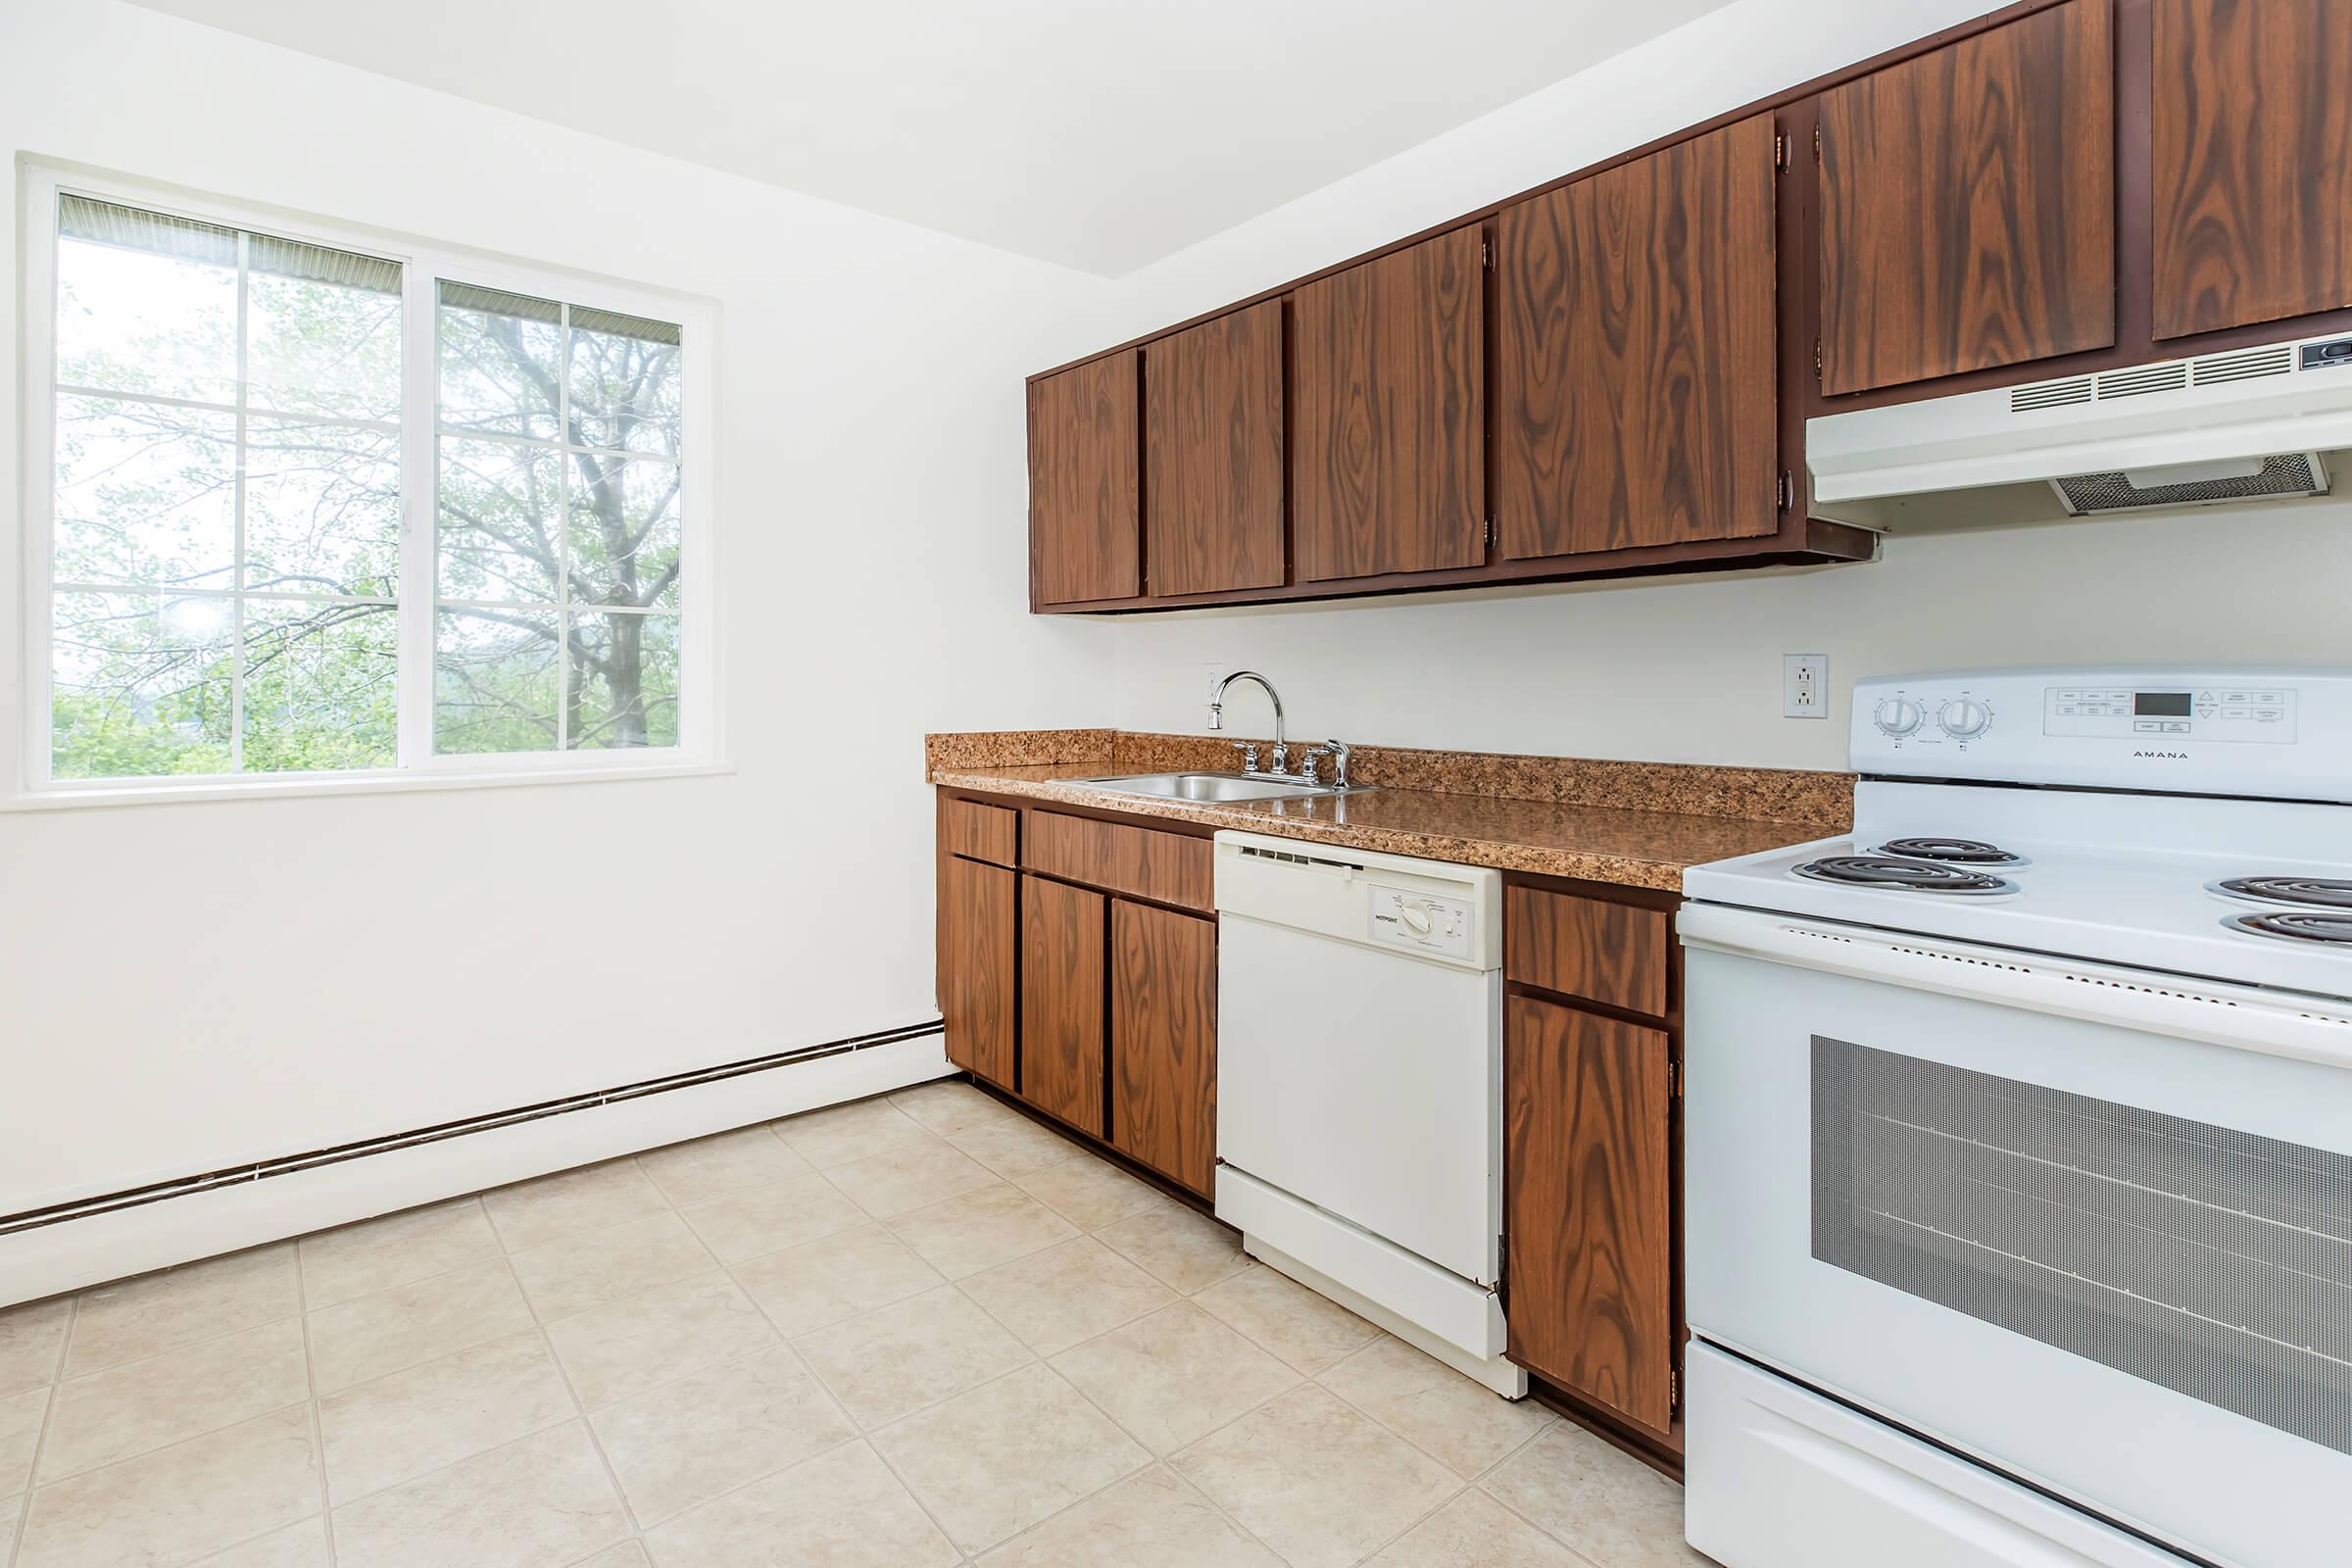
(700, 740)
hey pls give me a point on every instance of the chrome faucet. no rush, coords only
(1216, 718)
(1337, 751)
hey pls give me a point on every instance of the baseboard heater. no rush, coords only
(592, 1100)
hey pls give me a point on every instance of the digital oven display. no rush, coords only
(2160, 705)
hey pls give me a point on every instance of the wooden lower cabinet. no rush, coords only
(1588, 1165)
(976, 978)
(1061, 1001)
(1163, 1041)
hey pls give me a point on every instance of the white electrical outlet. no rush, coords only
(1212, 676)
(1804, 686)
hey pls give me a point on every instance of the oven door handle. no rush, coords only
(2243, 1018)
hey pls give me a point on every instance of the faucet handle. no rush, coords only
(1306, 763)
(1248, 751)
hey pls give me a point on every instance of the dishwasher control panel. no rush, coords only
(1422, 921)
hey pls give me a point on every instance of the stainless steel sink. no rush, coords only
(1211, 787)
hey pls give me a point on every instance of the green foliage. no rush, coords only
(168, 591)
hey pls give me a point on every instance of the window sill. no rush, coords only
(72, 797)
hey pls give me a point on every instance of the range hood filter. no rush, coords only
(2283, 475)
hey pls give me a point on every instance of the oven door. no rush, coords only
(2036, 1210)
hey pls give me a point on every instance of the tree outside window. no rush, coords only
(226, 549)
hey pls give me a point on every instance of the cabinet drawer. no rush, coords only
(1167, 867)
(979, 832)
(1607, 952)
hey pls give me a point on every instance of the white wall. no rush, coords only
(1690, 670)
(364, 955)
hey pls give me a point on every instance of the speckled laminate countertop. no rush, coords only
(1634, 825)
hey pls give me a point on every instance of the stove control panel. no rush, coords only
(2238, 711)
(2278, 732)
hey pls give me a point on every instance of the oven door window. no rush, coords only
(2212, 1263)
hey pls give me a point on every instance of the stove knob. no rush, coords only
(1900, 717)
(1965, 718)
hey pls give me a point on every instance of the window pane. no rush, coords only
(322, 348)
(623, 681)
(500, 536)
(140, 685)
(494, 682)
(499, 362)
(321, 686)
(624, 532)
(322, 509)
(625, 384)
(136, 320)
(146, 493)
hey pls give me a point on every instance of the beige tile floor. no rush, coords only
(915, 1331)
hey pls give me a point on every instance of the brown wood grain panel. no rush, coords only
(1163, 1042)
(983, 832)
(1586, 1174)
(1061, 1001)
(1085, 533)
(1213, 454)
(2252, 160)
(1968, 205)
(976, 966)
(1388, 413)
(1613, 954)
(1635, 382)
(1166, 868)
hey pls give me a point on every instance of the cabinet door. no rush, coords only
(2253, 139)
(1213, 454)
(975, 966)
(1968, 205)
(1635, 386)
(1163, 1041)
(1388, 413)
(1589, 1209)
(1061, 1001)
(1083, 540)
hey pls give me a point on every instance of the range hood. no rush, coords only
(2274, 422)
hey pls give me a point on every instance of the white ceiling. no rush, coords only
(1100, 134)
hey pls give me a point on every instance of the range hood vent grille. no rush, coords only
(2141, 379)
(2276, 358)
(2050, 394)
(2173, 376)
(2283, 474)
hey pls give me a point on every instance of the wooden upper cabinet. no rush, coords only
(1968, 205)
(976, 977)
(2252, 137)
(1387, 416)
(1085, 540)
(1588, 1163)
(1163, 1042)
(1213, 454)
(1635, 382)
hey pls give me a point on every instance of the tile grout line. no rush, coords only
(1165, 1461)
(628, 1509)
(317, 1414)
(40, 1438)
(867, 1434)
(1152, 1458)
(1485, 1476)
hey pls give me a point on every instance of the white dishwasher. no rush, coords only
(1360, 1085)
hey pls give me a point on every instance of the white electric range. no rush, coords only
(2019, 1132)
